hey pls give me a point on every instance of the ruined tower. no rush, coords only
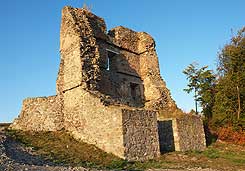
(121, 64)
(109, 90)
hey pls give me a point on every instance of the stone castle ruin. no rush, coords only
(110, 93)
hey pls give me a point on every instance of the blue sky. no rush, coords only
(184, 31)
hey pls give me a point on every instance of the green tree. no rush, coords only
(229, 104)
(202, 82)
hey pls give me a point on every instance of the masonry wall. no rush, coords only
(182, 133)
(40, 114)
(87, 119)
(70, 71)
(140, 134)
(139, 51)
(115, 82)
(127, 133)
(84, 54)
(189, 133)
(79, 50)
(112, 109)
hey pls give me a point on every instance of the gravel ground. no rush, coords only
(14, 157)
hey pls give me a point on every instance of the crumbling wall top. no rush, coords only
(137, 42)
(122, 64)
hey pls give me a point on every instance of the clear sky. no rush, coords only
(184, 30)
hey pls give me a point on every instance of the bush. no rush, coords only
(229, 134)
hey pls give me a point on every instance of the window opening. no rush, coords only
(133, 88)
(110, 55)
(108, 63)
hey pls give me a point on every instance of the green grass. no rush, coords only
(60, 147)
(211, 153)
(232, 154)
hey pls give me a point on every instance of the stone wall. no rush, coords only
(127, 133)
(40, 114)
(111, 107)
(138, 48)
(189, 133)
(182, 133)
(87, 119)
(85, 51)
(79, 50)
(140, 134)
(116, 81)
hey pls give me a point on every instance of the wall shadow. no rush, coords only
(120, 77)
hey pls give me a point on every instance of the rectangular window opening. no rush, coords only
(108, 64)
(133, 87)
(110, 55)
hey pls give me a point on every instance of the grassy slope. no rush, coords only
(62, 148)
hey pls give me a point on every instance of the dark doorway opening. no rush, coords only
(166, 136)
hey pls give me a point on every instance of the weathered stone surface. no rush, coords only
(125, 38)
(140, 60)
(109, 91)
(140, 134)
(87, 119)
(79, 52)
(40, 114)
(182, 133)
(190, 132)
